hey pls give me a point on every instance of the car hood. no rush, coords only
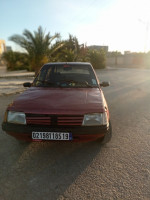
(59, 101)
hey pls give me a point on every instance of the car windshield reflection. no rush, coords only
(63, 75)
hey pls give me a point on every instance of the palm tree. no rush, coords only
(73, 47)
(70, 51)
(38, 46)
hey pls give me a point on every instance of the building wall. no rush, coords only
(2, 46)
(129, 60)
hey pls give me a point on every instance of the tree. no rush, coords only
(15, 60)
(41, 48)
(37, 46)
(71, 51)
(97, 58)
(84, 55)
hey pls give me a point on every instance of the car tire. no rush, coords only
(108, 135)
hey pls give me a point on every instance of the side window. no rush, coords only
(48, 73)
(42, 75)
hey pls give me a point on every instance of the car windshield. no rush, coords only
(66, 75)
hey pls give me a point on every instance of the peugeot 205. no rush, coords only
(64, 102)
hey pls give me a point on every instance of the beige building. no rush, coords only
(2, 46)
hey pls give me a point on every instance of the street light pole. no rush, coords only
(147, 24)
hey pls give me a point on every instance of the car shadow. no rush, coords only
(46, 170)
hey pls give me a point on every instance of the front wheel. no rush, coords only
(108, 135)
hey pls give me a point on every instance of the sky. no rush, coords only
(122, 25)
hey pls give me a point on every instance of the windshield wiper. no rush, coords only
(85, 83)
(77, 83)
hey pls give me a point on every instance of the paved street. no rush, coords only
(120, 170)
(12, 82)
(13, 85)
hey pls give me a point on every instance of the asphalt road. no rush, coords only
(120, 170)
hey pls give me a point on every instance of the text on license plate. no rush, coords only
(51, 136)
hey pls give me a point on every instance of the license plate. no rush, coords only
(51, 136)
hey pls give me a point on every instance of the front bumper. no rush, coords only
(24, 132)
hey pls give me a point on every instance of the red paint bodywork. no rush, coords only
(60, 101)
(78, 138)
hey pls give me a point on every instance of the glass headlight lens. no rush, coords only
(16, 117)
(95, 119)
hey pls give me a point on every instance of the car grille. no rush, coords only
(38, 120)
(69, 120)
(54, 120)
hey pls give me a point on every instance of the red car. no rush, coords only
(65, 102)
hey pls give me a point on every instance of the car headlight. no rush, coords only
(16, 117)
(95, 119)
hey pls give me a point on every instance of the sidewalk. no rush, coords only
(12, 82)
(15, 74)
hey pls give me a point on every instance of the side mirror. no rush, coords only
(27, 84)
(105, 84)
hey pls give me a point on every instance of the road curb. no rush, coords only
(17, 76)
